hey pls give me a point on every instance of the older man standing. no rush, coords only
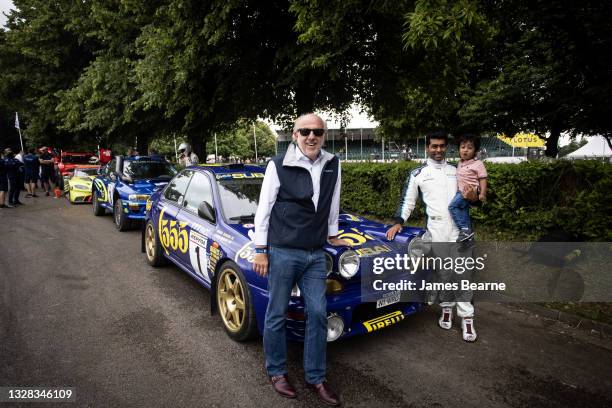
(436, 183)
(298, 214)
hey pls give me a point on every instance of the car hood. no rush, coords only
(82, 180)
(147, 186)
(361, 232)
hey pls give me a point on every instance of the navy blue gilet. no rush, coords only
(294, 223)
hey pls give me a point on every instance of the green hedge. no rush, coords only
(524, 200)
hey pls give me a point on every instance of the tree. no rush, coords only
(410, 59)
(212, 64)
(545, 69)
(240, 142)
(105, 101)
(42, 55)
(571, 147)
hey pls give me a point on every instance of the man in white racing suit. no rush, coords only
(437, 183)
(186, 156)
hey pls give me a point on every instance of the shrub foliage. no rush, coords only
(524, 200)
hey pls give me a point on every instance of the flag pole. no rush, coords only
(255, 139)
(216, 149)
(175, 151)
(19, 129)
(20, 139)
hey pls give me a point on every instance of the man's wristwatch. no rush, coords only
(261, 250)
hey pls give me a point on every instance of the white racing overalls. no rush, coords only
(436, 182)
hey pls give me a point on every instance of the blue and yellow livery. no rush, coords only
(125, 184)
(202, 221)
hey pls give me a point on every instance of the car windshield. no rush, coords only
(149, 169)
(239, 198)
(77, 159)
(85, 172)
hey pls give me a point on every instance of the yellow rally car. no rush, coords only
(78, 184)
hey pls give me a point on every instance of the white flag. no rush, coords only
(17, 121)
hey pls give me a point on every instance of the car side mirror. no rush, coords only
(206, 211)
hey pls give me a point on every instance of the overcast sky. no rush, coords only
(5, 6)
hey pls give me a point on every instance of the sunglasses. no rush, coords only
(306, 131)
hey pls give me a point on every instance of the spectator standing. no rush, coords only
(31, 165)
(13, 167)
(46, 169)
(3, 182)
(21, 181)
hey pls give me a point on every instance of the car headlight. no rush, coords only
(348, 264)
(81, 187)
(329, 263)
(138, 197)
(335, 327)
(420, 246)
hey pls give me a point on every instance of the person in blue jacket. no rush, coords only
(31, 169)
(3, 182)
(13, 167)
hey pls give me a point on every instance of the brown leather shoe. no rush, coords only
(282, 385)
(325, 393)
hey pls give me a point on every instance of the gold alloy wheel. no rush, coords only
(150, 241)
(230, 298)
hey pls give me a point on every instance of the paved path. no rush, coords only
(80, 307)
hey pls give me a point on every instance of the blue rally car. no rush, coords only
(125, 184)
(202, 221)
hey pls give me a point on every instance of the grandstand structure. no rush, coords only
(362, 144)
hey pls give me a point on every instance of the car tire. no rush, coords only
(234, 303)
(98, 210)
(121, 220)
(153, 248)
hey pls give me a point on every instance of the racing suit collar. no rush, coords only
(436, 164)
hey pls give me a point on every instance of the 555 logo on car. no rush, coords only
(172, 234)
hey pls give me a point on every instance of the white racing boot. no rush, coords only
(446, 319)
(469, 332)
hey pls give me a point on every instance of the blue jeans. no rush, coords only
(288, 266)
(460, 211)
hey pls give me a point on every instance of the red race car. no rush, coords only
(66, 162)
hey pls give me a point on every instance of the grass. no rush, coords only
(598, 311)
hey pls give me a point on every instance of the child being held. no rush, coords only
(471, 178)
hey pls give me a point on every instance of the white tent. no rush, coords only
(596, 148)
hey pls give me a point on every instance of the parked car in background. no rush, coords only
(78, 186)
(125, 184)
(67, 161)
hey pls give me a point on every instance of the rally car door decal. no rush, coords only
(197, 253)
(111, 190)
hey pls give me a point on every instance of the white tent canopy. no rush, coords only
(597, 147)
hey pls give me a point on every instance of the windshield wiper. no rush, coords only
(244, 217)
